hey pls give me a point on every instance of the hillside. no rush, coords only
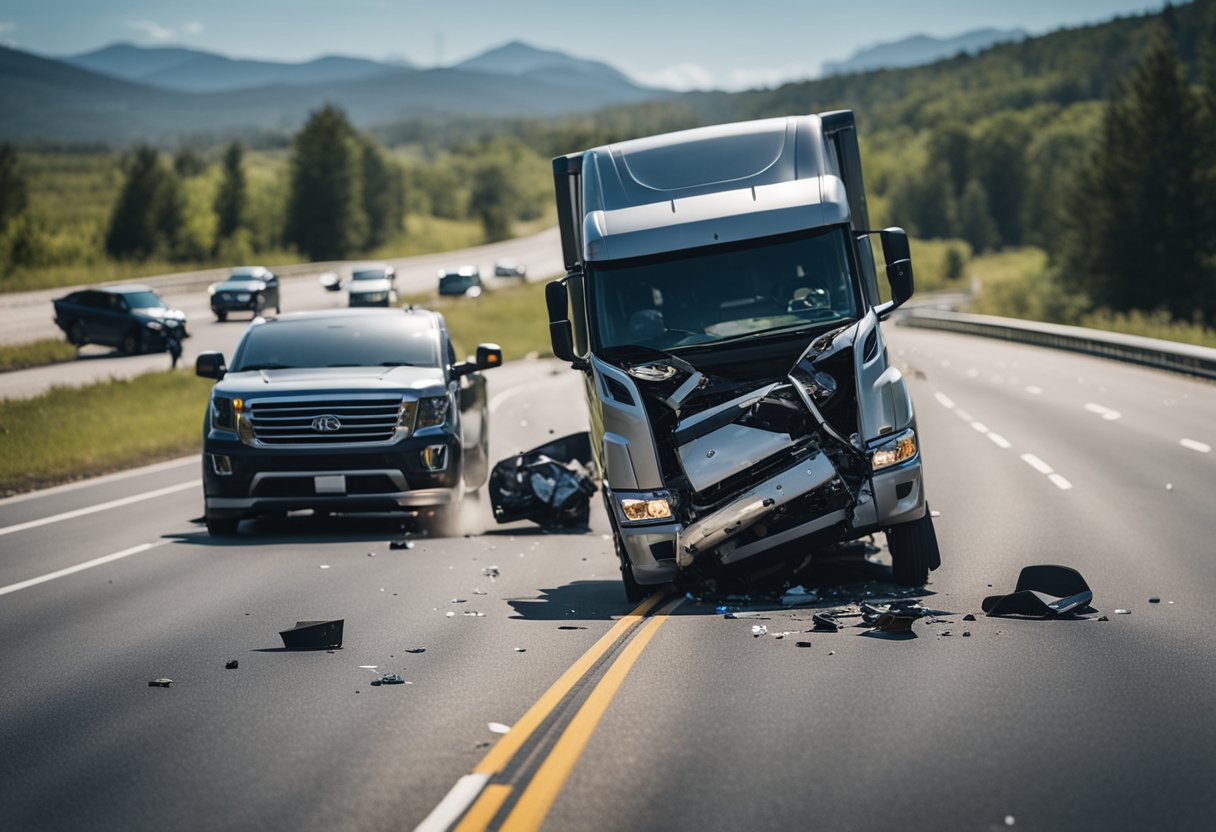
(921, 49)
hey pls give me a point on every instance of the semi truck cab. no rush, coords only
(721, 299)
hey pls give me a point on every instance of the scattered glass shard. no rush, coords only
(759, 630)
(498, 727)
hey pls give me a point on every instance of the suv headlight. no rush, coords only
(432, 411)
(897, 449)
(645, 509)
(155, 326)
(226, 412)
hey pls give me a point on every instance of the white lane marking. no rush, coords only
(1103, 411)
(1034, 389)
(80, 567)
(979, 426)
(1037, 464)
(1060, 482)
(497, 401)
(1195, 445)
(962, 414)
(121, 475)
(944, 400)
(81, 512)
(453, 805)
(999, 441)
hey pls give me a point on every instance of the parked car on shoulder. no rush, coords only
(373, 285)
(247, 289)
(463, 281)
(510, 268)
(343, 410)
(131, 317)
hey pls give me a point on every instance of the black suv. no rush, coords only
(131, 317)
(247, 289)
(343, 410)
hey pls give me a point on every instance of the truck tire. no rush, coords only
(634, 591)
(914, 552)
(222, 526)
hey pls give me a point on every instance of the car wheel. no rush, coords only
(76, 334)
(221, 316)
(222, 526)
(131, 343)
(914, 552)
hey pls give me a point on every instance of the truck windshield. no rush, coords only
(377, 341)
(725, 292)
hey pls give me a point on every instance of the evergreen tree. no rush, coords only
(149, 210)
(325, 216)
(975, 224)
(383, 196)
(188, 163)
(1137, 229)
(492, 198)
(13, 195)
(230, 199)
(999, 163)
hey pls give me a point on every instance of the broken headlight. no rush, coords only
(432, 411)
(645, 510)
(897, 449)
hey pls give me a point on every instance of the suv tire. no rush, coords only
(222, 526)
(914, 552)
(76, 334)
(131, 343)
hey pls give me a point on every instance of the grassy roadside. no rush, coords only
(35, 354)
(74, 433)
(513, 317)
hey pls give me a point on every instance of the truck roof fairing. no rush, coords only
(654, 195)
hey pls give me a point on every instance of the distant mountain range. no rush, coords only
(122, 92)
(921, 49)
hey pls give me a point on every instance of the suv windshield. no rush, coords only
(724, 292)
(369, 274)
(372, 341)
(143, 300)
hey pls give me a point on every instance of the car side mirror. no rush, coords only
(488, 355)
(210, 364)
(898, 256)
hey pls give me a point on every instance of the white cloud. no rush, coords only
(151, 28)
(750, 78)
(193, 28)
(681, 77)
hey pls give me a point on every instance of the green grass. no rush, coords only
(514, 318)
(73, 433)
(35, 354)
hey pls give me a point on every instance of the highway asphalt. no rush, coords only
(676, 717)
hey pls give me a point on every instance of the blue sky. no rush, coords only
(678, 43)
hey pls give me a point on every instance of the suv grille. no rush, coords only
(327, 422)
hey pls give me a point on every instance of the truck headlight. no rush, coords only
(897, 449)
(225, 412)
(636, 510)
(432, 411)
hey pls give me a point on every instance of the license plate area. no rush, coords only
(332, 484)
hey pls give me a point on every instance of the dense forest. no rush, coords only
(1095, 146)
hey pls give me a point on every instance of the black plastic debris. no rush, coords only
(570, 627)
(550, 485)
(388, 679)
(968, 617)
(415, 649)
(802, 643)
(825, 622)
(313, 635)
(1154, 600)
(1043, 591)
(231, 664)
(401, 544)
(159, 683)
(895, 617)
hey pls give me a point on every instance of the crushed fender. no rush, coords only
(550, 485)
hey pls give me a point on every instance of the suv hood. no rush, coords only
(420, 381)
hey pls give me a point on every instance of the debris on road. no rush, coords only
(1043, 591)
(415, 649)
(458, 601)
(759, 630)
(1123, 612)
(802, 643)
(160, 683)
(231, 664)
(498, 727)
(1103, 618)
(491, 572)
(325, 566)
(401, 544)
(313, 635)
(550, 485)
(390, 679)
(969, 617)
(521, 649)
(1154, 600)
(570, 627)
(966, 634)
(825, 622)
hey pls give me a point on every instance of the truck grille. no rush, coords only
(347, 422)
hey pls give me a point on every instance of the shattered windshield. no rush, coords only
(724, 292)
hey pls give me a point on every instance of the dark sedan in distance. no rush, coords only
(132, 318)
(247, 289)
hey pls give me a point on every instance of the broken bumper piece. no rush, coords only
(550, 485)
(713, 529)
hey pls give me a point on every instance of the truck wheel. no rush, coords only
(221, 316)
(76, 334)
(222, 526)
(130, 343)
(913, 548)
(634, 591)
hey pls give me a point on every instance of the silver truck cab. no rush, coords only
(722, 301)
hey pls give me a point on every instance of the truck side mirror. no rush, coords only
(561, 334)
(898, 256)
(210, 365)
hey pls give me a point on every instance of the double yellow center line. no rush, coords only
(538, 792)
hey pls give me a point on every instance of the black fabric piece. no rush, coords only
(1043, 591)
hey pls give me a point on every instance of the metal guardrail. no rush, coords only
(1151, 352)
